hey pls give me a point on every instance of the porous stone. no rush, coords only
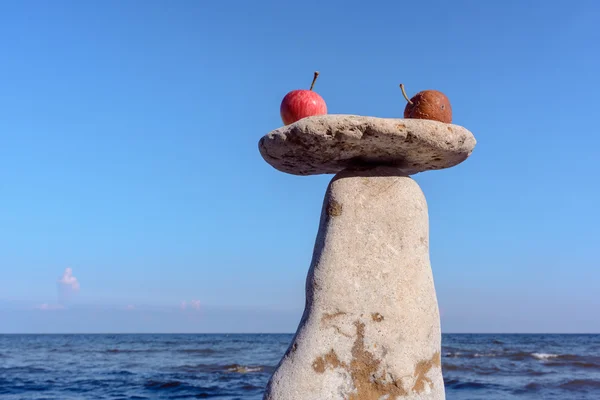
(328, 144)
(370, 328)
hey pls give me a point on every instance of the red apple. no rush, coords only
(299, 104)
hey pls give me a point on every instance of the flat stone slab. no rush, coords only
(328, 144)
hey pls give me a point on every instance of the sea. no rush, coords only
(237, 366)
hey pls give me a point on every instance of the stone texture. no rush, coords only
(371, 327)
(328, 144)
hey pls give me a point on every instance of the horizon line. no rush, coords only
(277, 333)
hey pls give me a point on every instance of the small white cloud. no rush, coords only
(192, 304)
(130, 307)
(68, 280)
(68, 286)
(49, 307)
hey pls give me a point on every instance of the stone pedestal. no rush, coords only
(371, 326)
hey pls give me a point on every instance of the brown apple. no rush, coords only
(428, 104)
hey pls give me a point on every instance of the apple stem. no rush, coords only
(314, 80)
(404, 93)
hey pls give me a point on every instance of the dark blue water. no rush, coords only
(227, 367)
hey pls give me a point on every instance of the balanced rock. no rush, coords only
(327, 144)
(371, 327)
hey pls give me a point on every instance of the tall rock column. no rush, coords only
(371, 326)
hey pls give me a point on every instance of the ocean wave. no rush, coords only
(576, 364)
(457, 384)
(581, 384)
(162, 385)
(235, 368)
(534, 386)
(533, 372)
(24, 370)
(544, 356)
(249, 387)
(451, 354)
(199, 368)
(122, 373)
(83, 385)
(461, 354)
(519, 355)
(573, 385)
(203, 351)
(184, 389)
(589, 361)
(557, 357)
(197, 351)
(481, 370)
(128, 351)
(569, 360)
(453, 367)
(544, 360)
(242, 369)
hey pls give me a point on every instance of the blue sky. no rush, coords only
(129, 153)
